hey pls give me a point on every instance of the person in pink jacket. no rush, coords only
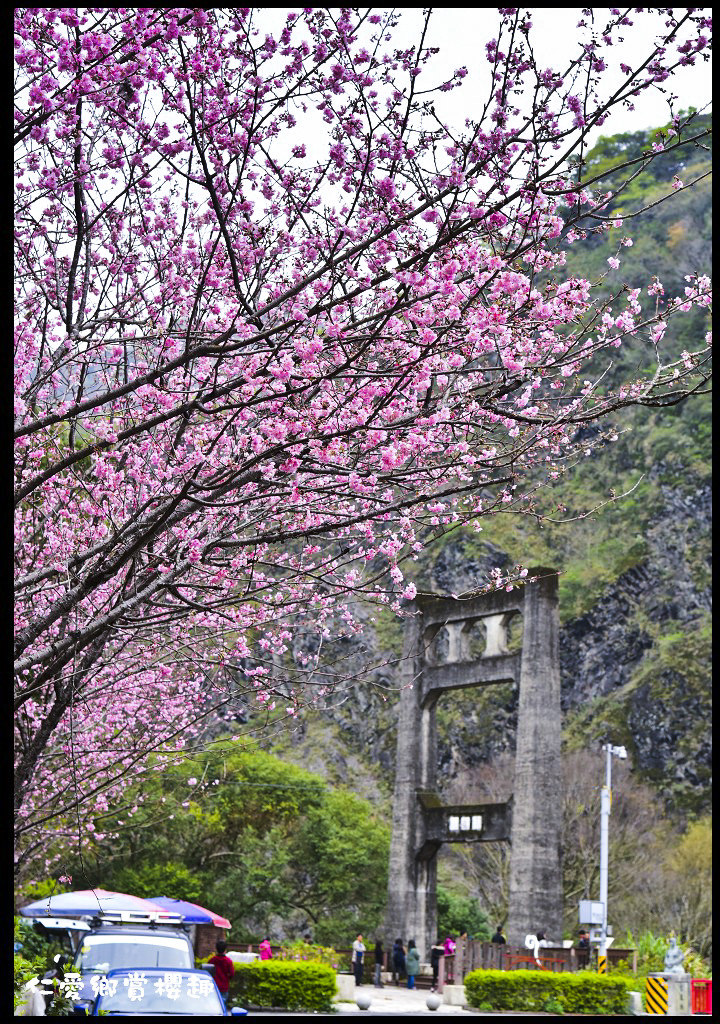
(265, 949)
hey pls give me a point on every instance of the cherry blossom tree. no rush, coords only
(255, 373)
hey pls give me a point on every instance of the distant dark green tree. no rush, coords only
(263, 842)
(461, 915)
(162, 879)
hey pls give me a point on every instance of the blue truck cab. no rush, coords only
(123, 941)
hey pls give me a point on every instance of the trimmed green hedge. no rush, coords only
(583, 992)
(283, 983)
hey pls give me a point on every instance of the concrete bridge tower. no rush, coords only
(531, 820)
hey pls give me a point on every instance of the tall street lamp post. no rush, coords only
(605, 804)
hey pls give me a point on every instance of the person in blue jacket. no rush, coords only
(412, 963)
(398, 961)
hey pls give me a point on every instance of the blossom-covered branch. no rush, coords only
(277, 323)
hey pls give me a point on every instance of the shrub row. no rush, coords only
(283, 983)
(583, 992)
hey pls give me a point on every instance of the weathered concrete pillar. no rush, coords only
(535, 899)
(427, 775)
(403, 895)
(425, 924)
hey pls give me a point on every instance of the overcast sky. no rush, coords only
(462, 32)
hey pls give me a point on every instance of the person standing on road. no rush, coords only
(378, 964)
(436, 951)
(398, 961)
(498, 938)
(412, 963)
(358, 951)
(223, 969)
(265, 949)
(583, 945)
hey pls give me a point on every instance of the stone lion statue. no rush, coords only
(674, 958)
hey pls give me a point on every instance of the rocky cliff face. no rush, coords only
(634, 666)
(640, 656)
(600, 651)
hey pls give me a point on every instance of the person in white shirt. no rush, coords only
(358, 952)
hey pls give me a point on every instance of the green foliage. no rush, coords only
(160, 879)
(651, 950)
(283, 984)
(690, 867)
(340, 846)
(521, 991)
(591, 552)
(61, 1004)
(25, 969)
(632, 982)
(33, 960)
(28, 968)
(609, 152)
(311, 952)
(458, 915)
(34, 944)
(696, 966)
(254, 838)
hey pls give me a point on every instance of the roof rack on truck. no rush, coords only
(74, 924)
(83, 922)
(137, 917)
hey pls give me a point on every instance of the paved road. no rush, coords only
(393, 1002)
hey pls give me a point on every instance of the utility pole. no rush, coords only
(605, 804)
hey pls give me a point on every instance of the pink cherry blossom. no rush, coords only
(257, 367)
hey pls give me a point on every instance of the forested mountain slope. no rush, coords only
(635, 594)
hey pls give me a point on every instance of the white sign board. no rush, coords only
(590, 912)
